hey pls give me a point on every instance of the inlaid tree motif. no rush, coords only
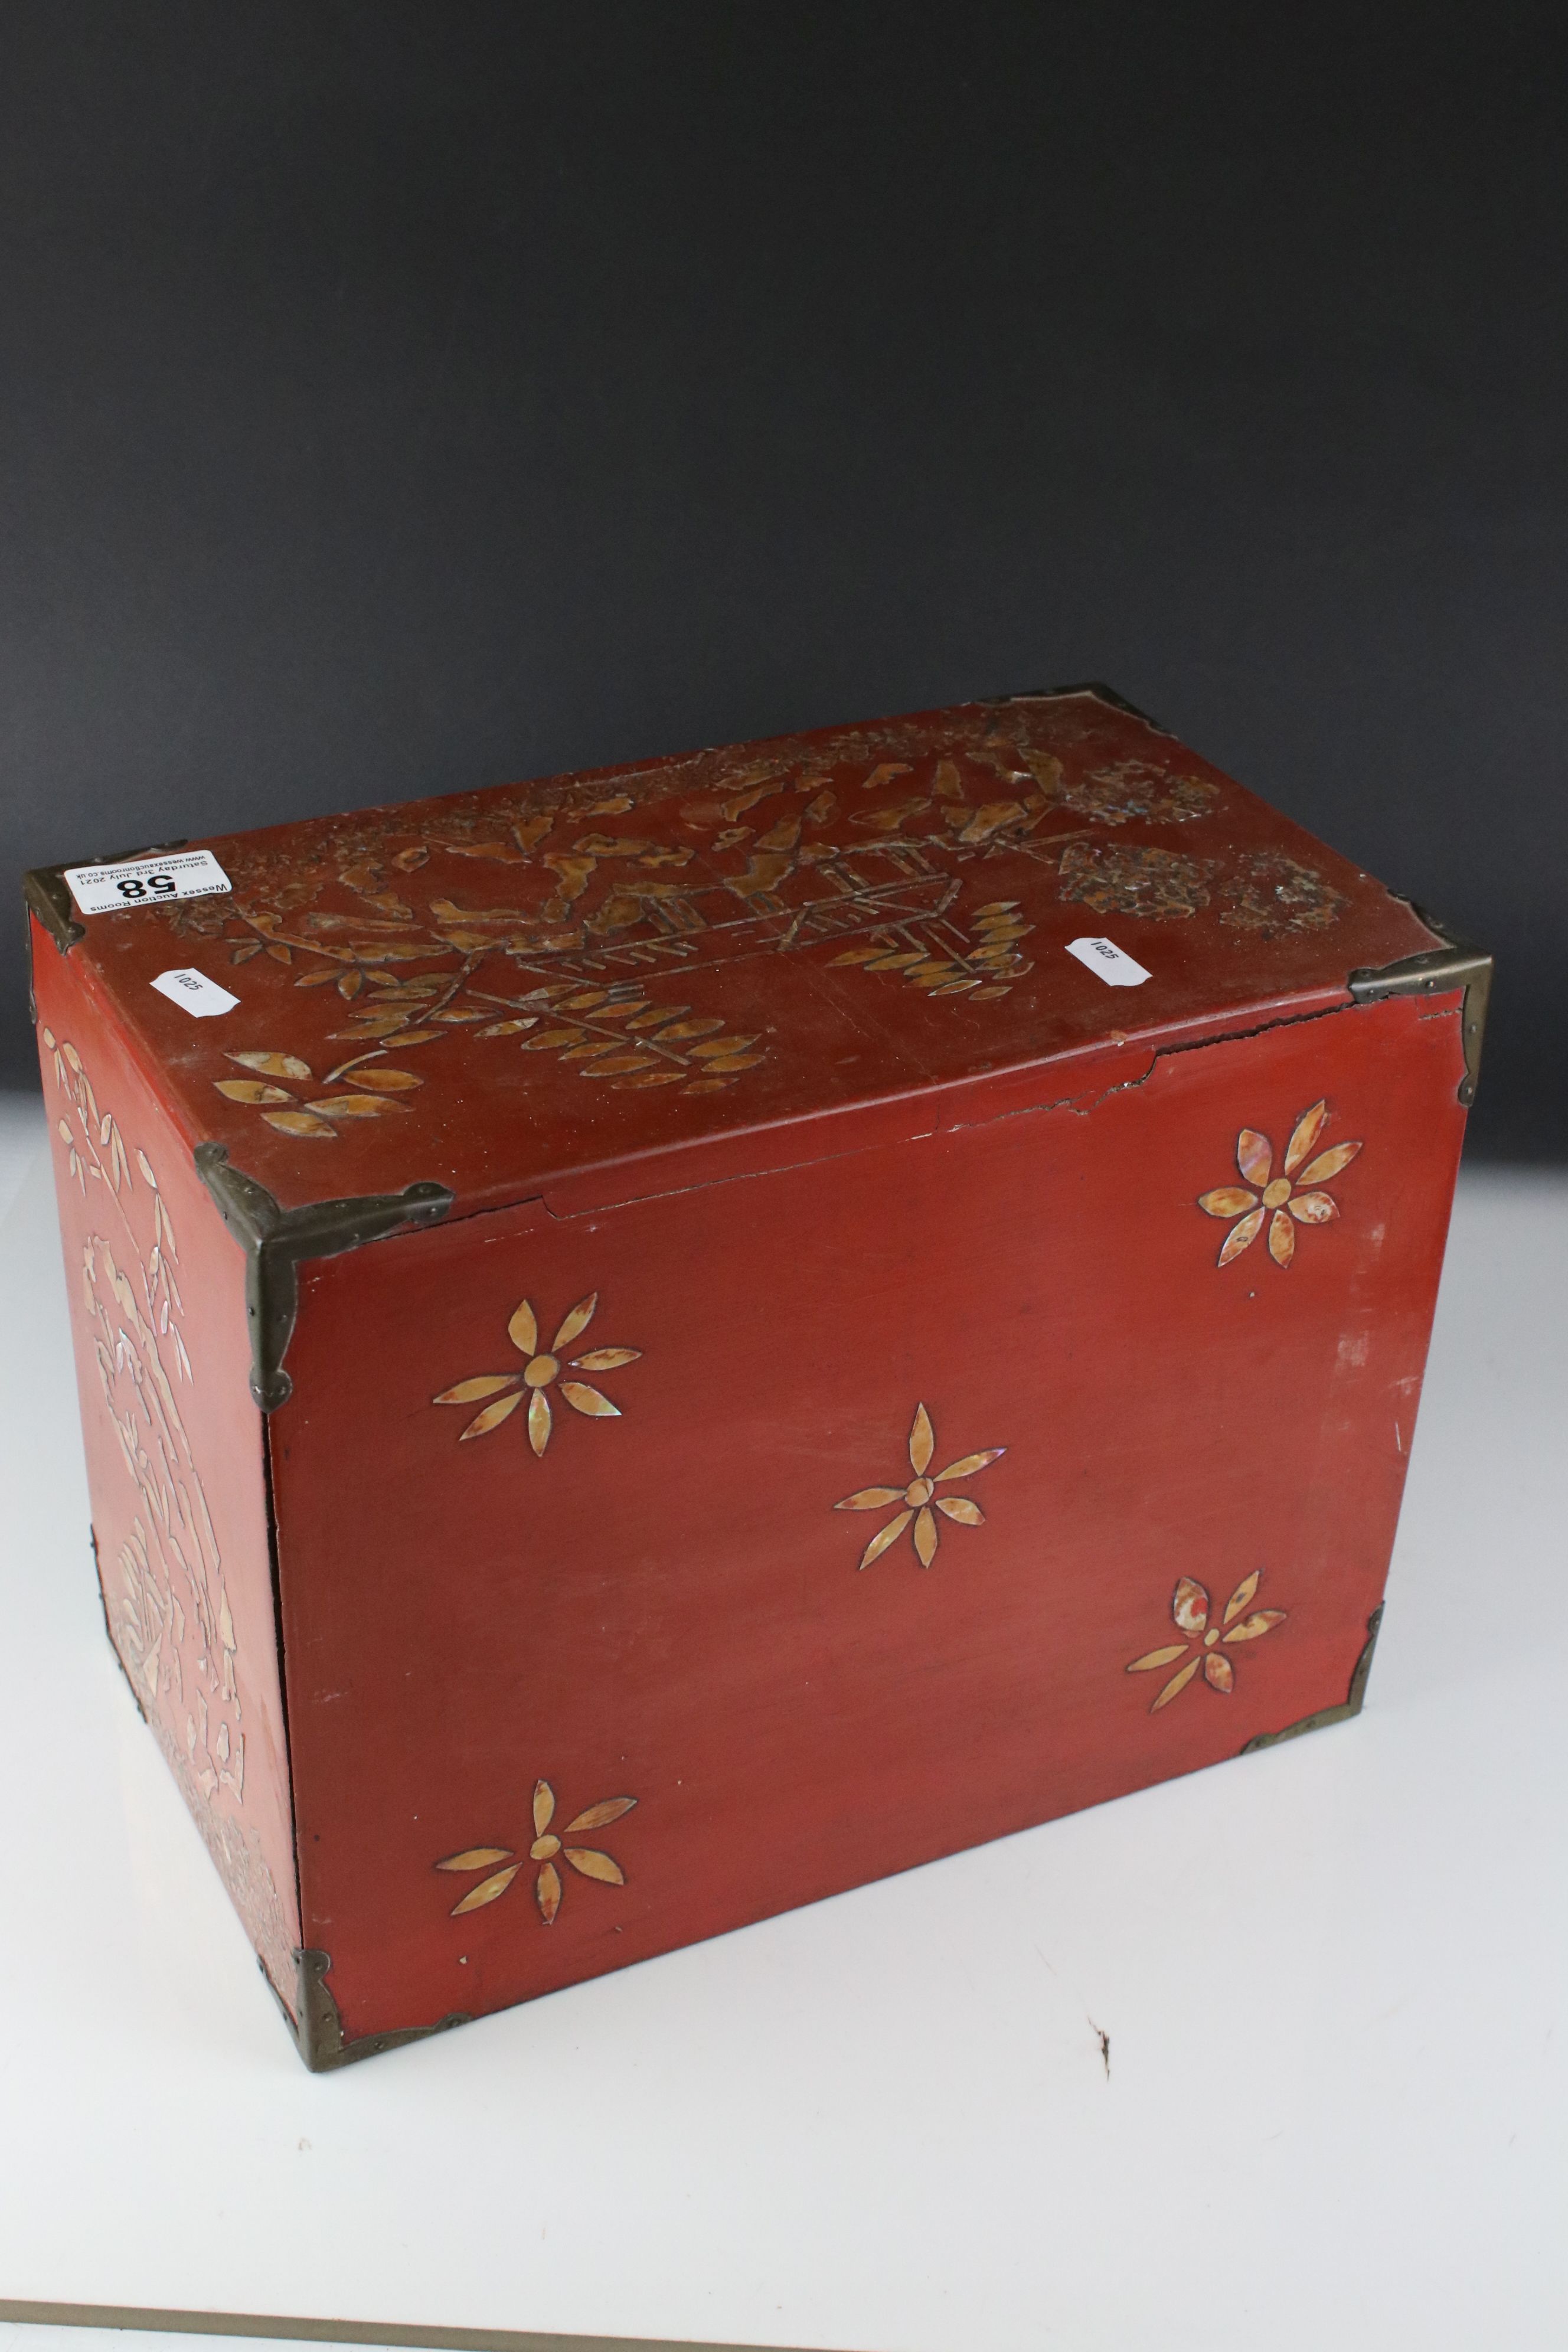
(588, 928)
(1189, 1610)
(164, 1592)
(1287, 1200)
(363, 1092)
(982, 957)
(547, 1849)
(1117, 879)
(541, 1371)
(918, 1497)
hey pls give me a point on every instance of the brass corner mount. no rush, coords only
(316, 2022)
(1454, 965)
(1350, 1704)
(275, 1240)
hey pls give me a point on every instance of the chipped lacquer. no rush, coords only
(1190, 1608)
(632, 1224)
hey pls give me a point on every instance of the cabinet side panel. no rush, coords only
(649, 1571)
(174, 1449)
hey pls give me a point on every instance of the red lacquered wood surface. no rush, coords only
(665, 1605)
(174, 1445)
(505, 991)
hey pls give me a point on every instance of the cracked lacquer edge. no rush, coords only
(1079, 1104)
(1454, 965)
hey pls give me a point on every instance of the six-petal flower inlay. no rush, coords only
(1285, 1200)
(918, 1500)
(1189, 1610)
(541, 1370)
(547, 1849)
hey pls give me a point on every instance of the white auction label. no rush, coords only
(147, 881)
(1114, 965)
(195, 991)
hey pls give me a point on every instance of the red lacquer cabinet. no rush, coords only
(658, 1345)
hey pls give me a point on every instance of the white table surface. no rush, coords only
(1333, 2111)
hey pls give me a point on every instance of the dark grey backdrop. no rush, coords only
(396, 398)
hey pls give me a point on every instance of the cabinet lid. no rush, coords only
(549, 986)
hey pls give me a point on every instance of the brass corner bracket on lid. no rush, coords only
(275, 1240)
(1086, 686)
(1455, 964)
(48, 892)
